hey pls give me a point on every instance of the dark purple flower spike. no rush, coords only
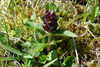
(50, 21)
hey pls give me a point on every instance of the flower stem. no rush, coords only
(49, 40)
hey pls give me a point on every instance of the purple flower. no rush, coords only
(50, 21)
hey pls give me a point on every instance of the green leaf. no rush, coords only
(5, 59)
(42, 59)
(50, 6)
(85, 11)
(53, 42)
(13, 50)
(53, 7)
(36, 25)
(36, 54)
(38, 47)
(25, 21)
(70, 46)
(62, 32)
(63, 13)
(3, 38)
(33, 16)
(27, 56)
(12, 33)
(84, 18)
(10, 64)
(48, 64)
(68, 9)
(53, 55)
(96, 11)
(47, 6)
(2, 34)
(59, 9)
(96, 2)
(26, 44)
(16, 1)
(93, 15)
(73, 65)
(68, 61)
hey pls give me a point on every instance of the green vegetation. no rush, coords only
(43, 33)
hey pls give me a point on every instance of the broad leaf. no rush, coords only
(62, 32)
(50, 7)
(36, 25)
(53, 7)
(38, 47)
(59, 9)
(13, 50)
(68, 61)
(25, 21)
(42, 59)
(36, 54)
(73, 65)
(47, 6)
(33, 16)
(53, 55)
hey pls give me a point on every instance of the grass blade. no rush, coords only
(48, 64)
(93, 14)
(5, 59)
(13, 50)
(78, 16)
(68, 9)
(7, 32)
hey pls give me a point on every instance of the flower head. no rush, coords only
(50, 21)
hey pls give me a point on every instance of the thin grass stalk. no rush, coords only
(68, 9)
(36, 5)
(91, 33)
(9, 5)
(7, 32)
(15, 18)
(76, 51)
(34, 11)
